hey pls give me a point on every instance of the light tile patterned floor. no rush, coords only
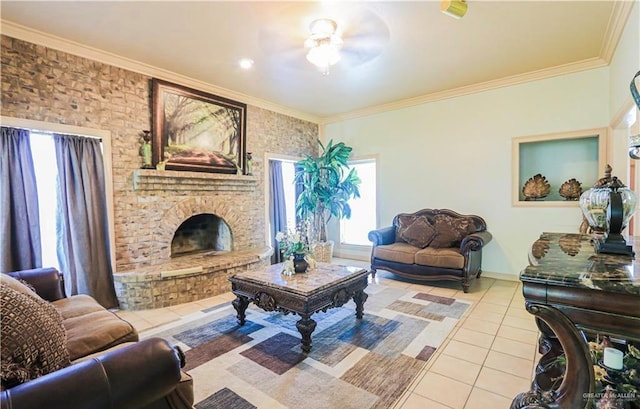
(484, 363)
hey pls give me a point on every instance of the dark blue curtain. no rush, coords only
(20, 247)
(83, 235)
(277, 207)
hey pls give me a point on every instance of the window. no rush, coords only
(355, 230)
(46, 170)
(288, 174)
(44, 159)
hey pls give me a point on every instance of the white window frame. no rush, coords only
(358, 251)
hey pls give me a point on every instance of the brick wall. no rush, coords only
(44, 84)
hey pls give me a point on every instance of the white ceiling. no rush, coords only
(394, 51)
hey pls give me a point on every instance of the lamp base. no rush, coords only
(614, 244)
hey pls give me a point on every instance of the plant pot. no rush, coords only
(300, 265)
(323, 251)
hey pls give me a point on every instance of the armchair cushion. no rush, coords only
(451, 230)
(76, 306)
(445, 258)
(419, 231)
(34, 342)
(397, 252)
(96, 331)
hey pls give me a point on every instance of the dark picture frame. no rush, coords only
(197, 131)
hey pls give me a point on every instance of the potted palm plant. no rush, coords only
(328, 183)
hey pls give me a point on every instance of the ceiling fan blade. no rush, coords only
(364, 34)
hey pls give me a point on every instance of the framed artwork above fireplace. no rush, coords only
(197, 131)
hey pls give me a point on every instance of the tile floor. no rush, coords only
(484, 363)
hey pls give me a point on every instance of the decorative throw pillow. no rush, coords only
(451, 230)
(419, 233)
(404, 221)
(20, 286)
(34, 341)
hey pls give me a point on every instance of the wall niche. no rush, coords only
(552, 160)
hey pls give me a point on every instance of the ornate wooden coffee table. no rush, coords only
(328, 286)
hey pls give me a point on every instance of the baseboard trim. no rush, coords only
(501, 276)
(353, 254)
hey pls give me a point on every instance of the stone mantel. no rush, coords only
(153, 179)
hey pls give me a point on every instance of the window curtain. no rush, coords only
(20, 247)
(277, 207)
(83, 236)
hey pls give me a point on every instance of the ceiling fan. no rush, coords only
(356, 33)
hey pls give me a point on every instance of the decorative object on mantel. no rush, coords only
(249, 164)
(608, 206)
(196, 131)
(537, 187)
(145, 149)
(571, 189)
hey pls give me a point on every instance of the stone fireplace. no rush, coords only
(199, 233)
(197, 243)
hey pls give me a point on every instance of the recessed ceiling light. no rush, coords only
(245, 63)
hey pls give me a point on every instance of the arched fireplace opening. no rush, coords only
(201, 232)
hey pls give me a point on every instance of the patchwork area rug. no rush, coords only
(353, 363)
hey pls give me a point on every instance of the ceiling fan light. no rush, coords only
(323, 26)
(323, 44)
(454, 8)
(323, 56)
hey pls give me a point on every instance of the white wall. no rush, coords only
(625, 63)
(456, 154)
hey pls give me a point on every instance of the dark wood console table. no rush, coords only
(571, 291)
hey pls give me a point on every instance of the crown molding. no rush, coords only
(564, 69)
(24, 33)
(617, 22)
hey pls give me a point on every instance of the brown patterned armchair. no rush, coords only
(431, 244)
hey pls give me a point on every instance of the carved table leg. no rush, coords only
(547, 371)
(579, 381)
(359, 298)
(306, 326)
(240, 304)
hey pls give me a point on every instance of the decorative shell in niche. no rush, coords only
(537, 187)
(571, 189)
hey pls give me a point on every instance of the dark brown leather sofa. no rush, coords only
(108, 367)
(431, 244)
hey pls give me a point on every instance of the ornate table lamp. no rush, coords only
(608, 206)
